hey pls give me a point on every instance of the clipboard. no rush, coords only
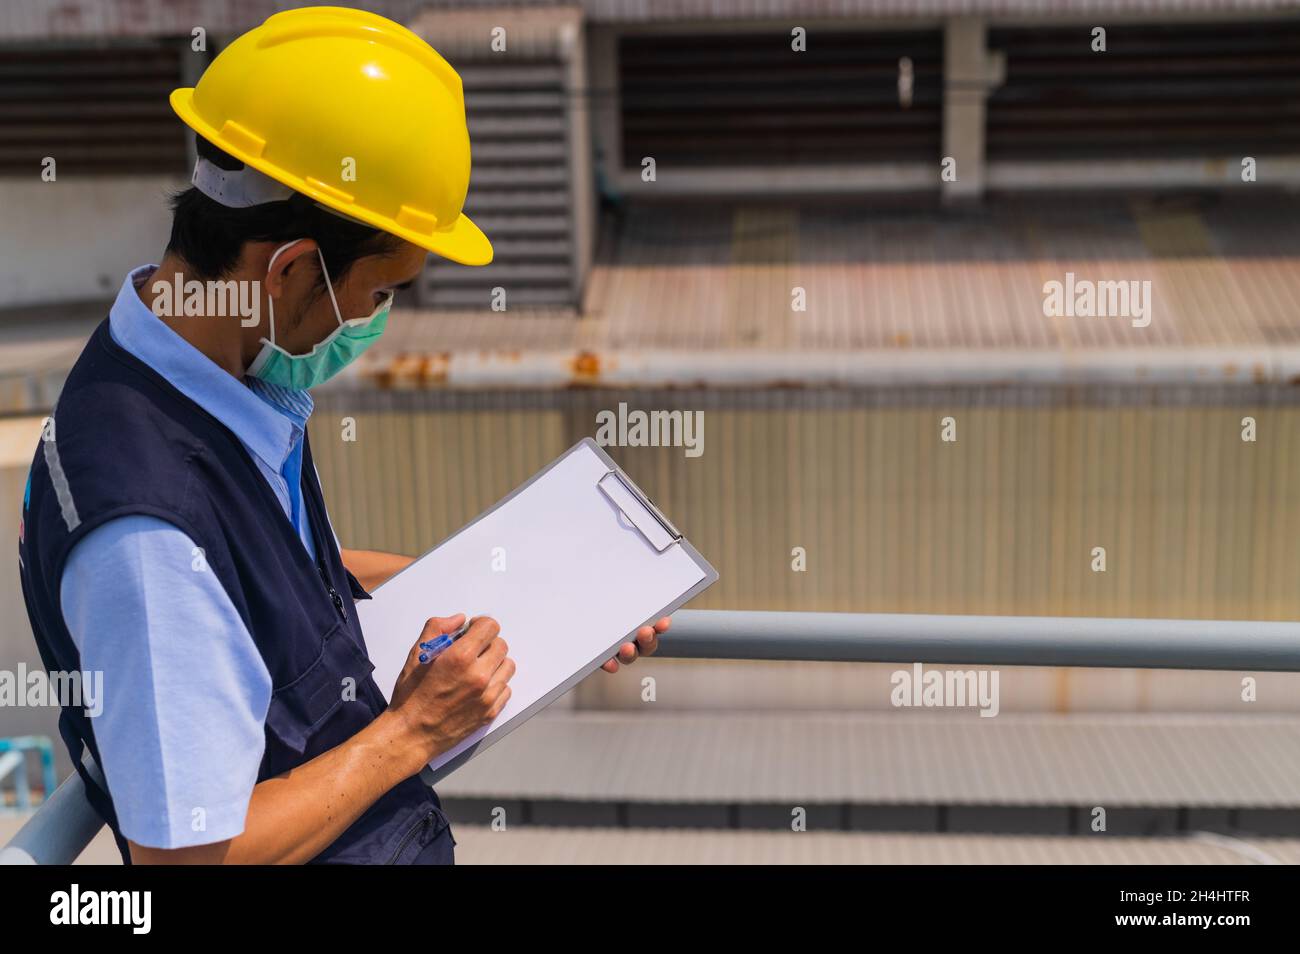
(571, 563)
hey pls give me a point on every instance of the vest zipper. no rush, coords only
(333, 593)
(406, 839)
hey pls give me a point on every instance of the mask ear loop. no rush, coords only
(270, 302)
(329, 285)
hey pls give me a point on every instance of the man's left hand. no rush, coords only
(647, 641)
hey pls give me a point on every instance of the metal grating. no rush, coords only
(519, 192)
(94, 109)
(1196, 522)
(485, 845)
(892, 287)
(892, 759)
(748, 99)
(1184, 90)
(534, 844)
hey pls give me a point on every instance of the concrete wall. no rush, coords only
(75, 239)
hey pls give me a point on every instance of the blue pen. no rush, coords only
(432, 647)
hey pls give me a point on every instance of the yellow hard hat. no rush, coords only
(318, 92)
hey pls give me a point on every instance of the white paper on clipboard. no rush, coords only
(587, 559)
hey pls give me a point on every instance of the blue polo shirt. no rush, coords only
(186, 692)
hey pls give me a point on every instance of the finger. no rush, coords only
(627, 653)
(492, 657)
(495, 709)
(645, 632)
(610, 665)
(482, 629)
(502, 674)
(440, 625)
(412, 663)
(434, 627)
(664, 624)
(647, 647)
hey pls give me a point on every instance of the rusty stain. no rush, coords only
(586, 367)
(592, 368)
(405, 368)
(435, 368)
(1061, 691)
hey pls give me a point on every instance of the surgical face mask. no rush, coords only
(330, 356)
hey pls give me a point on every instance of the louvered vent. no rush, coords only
(519, 190)
(1192, 90)
(748, 99)
(95, 110)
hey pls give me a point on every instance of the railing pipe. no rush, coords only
(1236, 645)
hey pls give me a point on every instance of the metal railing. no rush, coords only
(65, 823)
(61, 828)
(13, 763)
(986, 640)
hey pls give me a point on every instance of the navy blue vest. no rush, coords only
(127, 442)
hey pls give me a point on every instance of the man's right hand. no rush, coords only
(463, 688)
(294, 816)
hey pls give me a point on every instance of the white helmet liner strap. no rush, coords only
(246, 187)
(237, 189)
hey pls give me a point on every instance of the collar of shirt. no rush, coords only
(268, 419)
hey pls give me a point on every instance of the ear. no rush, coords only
(277, 260)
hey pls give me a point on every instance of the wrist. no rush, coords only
(400, 744)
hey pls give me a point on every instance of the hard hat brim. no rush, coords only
(463, 242)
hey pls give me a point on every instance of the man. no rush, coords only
(174, 532)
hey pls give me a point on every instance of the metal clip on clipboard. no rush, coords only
(636, 506)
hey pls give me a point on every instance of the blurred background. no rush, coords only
(918, 172)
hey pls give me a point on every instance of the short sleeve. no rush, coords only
(180, 722)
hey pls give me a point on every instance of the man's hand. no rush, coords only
(296, 815)
(647, 641)
(465, 687)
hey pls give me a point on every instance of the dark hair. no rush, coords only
(209, 236)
